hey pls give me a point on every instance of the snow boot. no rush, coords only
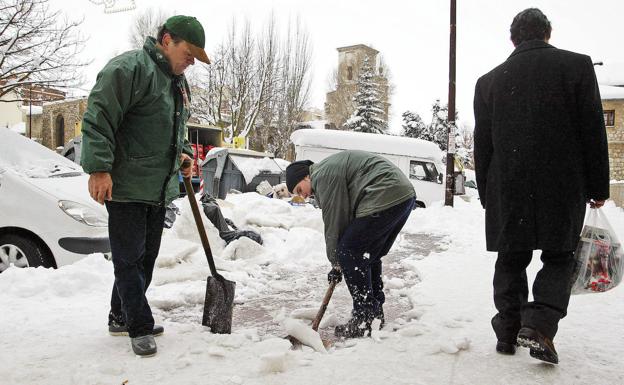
(144, 346)
(116, 328)
(356, 327)
(540, 346)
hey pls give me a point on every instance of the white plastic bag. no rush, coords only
(599, 256)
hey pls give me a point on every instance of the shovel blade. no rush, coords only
(219, 305)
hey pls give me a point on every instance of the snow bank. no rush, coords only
(442, 275)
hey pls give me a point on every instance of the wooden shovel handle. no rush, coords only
(321, 312)
(200, 224)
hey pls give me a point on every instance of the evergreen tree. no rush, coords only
(437, 131)
(413, 125)
(368, 115)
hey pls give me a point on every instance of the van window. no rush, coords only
(424, 171)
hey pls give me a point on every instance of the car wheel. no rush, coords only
(21, 251)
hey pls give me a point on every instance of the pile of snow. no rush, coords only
(252, 166)
(19, 128)
(58, 317)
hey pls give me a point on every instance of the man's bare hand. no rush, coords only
(101, 187)
(594, 204)
(187, 172)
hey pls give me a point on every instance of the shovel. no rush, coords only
(317, 320)
(219, 301)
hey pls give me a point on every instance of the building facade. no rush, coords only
(339, 103)
(60, 122)
(613, 107)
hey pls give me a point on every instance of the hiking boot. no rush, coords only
(116, 328)
(354, 328)
(506, 348)
(540, 346)
(144, 346)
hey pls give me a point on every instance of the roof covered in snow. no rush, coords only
(30, 158)
(610, 74)
(611, 92)
(36, 110)
(383, 144)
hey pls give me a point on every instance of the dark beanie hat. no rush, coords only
(296, 171)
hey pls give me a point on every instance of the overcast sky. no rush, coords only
(412, 36)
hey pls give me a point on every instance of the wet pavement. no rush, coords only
(260, 312)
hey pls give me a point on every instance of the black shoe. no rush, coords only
(354, 328)
(540, 346)
(144, 346)
(506, 348)
(120, 329)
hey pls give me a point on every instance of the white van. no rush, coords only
(419, 159)
(47, 217)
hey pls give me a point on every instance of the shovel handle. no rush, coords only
(200, 225)
(321, 312)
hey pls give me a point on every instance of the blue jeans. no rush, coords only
(135, 231)
(360, 249)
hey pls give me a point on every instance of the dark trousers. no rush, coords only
(551, 293)
(135, 231)
(359, 253)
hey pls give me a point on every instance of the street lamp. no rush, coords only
(598, 63)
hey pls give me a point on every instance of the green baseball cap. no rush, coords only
(190, 30)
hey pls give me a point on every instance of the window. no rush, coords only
(349, 73)
(424, 171)
(609, 118)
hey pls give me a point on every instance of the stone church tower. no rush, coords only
(339, 103)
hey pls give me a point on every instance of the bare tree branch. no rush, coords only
(38, 47)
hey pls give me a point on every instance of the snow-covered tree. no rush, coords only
(464, 146)
(38, 46)
(368, 114)
(413, 125)
(437, 131)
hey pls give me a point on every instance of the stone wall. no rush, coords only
(615, 136)
(63, 115)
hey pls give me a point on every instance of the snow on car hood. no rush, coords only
(72, 188)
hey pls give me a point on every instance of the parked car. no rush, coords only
(47, 216)
(72, 149)
(420, 160)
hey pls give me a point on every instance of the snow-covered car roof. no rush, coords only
(383, 144)
(27, 157)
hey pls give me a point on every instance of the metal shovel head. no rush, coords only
(219, 305)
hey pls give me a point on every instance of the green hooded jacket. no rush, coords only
(135, 126)
(355, 184)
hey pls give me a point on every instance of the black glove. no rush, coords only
(334, 275)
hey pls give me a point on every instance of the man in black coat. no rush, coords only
(540, 155)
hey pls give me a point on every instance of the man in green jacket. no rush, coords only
(134, 141)
(365, 201)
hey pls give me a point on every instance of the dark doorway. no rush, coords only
(59, 129)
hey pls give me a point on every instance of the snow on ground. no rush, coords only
(439, 303)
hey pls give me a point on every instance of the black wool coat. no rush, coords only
(540, 148)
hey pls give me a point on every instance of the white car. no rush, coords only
(47, 217)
